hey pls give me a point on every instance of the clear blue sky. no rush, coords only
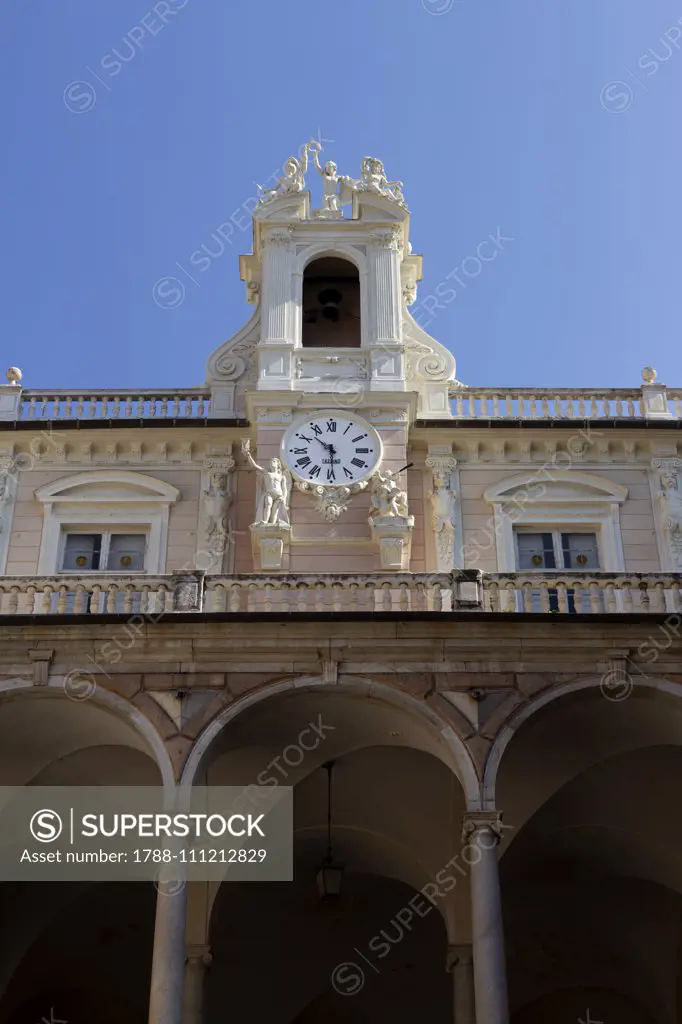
(491, 113)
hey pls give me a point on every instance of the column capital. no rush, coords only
(199, 955)
(462, 954)
(474, 822)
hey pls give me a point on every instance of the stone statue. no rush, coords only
(443, 500)
(387, 497)
(273, 491)
(217, 501)
(293, 179)
(374, 180)
(671, 513)
(334, 188)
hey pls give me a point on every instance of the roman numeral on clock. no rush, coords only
(359, 463)
(303, 462)
(315, 471)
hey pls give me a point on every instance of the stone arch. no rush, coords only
(453, 752)
(109, 702)
(525, 711)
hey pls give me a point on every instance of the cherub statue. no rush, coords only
(333, 185)
(374, 180)
(387, 497)
(273, 490)
(293, 179)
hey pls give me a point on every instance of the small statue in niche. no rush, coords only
(387, 497)
(273, 490)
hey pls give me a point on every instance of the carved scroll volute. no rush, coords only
(215, 526)
(443, 500)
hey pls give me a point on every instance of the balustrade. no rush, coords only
(115, 405)
(555, 404)
(559, 593)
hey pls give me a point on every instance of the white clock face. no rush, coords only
(331, 448)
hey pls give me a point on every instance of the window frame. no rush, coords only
(118, 501)
(106, 534)
(557, 546)
(569, 501)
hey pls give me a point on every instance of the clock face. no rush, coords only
(331, 448)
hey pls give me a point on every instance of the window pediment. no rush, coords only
(564, 487)
(108, 487)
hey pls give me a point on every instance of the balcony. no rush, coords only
(354, 595)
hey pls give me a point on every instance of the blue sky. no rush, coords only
(498, 115)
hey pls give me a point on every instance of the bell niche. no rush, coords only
(331, 289)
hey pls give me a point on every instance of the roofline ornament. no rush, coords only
(338, 189)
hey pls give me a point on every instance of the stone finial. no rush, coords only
(14, 375)
(649, 375)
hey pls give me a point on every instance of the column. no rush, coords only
(168, 961)
(482, 830)
(460, 961)
(198, 961)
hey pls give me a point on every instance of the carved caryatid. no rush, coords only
(443, 501)
(670, 505)
(274, 489)
(216, 504)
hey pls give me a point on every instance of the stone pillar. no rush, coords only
(279, 328)
(460, 962)
(168, 961)
(483, 830)
(198, 961)
(385, 314)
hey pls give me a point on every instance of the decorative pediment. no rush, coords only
(108, 486)
(553, 485)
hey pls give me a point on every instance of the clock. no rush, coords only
(331, 448)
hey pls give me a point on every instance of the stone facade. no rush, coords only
(474, 613)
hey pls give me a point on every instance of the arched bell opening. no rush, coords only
(331, 304)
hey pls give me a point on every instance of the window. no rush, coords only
(104, 552)
(555, 550)
(105, 521)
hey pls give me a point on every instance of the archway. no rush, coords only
(64, 947)
(592, 873)
(397, 808)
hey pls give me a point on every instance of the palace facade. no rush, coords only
(335, 555)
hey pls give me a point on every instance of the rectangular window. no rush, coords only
(104, 552)
(556, 550)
